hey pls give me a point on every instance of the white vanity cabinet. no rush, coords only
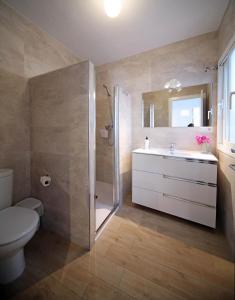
(183, 184)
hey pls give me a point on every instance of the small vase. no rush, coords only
(205, 148)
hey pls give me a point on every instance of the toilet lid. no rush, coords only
(15, 222)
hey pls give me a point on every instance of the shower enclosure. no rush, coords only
(107, 154)
(75, 139)
(62, 105)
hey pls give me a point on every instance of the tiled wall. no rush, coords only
(57, 127)
(227, 27)
(104, 147)
(226, 175)
(59, 141)
(226, 179)
(14, 131)
(25, 51)
(125, 142)
(149, 71)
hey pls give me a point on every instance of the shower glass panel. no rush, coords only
(107, 154)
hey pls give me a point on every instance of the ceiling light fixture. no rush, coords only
(112, 7)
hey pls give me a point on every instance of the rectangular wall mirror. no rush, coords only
(188, 107)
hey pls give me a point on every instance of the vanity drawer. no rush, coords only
(199, 193)
(148, 163)
(176, 167)
(146, 180)
(175, 206)
(190, 211)
(189, 169)
(146, 197)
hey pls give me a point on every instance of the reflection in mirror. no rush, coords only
(187, 107)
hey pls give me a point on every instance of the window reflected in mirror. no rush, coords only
(187, 107)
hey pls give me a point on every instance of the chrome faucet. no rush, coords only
(172, 148)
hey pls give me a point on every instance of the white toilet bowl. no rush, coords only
(17, 226)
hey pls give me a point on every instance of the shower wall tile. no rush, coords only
(59, 141)
(104, 160)
(104, 147)
(125, 142)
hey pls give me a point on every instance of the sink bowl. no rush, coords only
(180, 152)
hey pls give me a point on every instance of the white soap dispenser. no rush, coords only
(146, 143)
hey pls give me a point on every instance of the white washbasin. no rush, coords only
(178, 153)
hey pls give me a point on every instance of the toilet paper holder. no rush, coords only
(45, 180)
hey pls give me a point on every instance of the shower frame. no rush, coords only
(116, 169)
(92, 152)
(116, 157)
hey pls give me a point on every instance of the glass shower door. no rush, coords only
(107, 156)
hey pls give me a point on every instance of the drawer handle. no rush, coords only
(189, 180)
(200, 161)
(180, 158)
(186, 200)
(232, 166)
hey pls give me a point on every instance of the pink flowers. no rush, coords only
(202, 139)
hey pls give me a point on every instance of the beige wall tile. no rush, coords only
(227, 196)
(59, 143)
(150, 70)
(25, 51)
(226, 175)
(19, 161)
(227, 27)
(14, 131)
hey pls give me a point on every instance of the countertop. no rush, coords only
(197, 155)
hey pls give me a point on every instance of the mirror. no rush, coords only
(185, 107)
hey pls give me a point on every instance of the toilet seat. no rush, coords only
(15, 223)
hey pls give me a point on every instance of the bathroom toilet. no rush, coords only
(17, 226)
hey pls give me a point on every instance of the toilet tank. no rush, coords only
(6, 186)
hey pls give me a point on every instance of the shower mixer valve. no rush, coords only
(108, 127)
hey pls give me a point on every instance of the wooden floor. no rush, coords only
(141, 254)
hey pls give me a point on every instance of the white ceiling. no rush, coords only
(84, 28)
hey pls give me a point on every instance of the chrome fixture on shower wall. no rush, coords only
(107, 90)
(109, 127)
(110, 106)
(210, 68)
